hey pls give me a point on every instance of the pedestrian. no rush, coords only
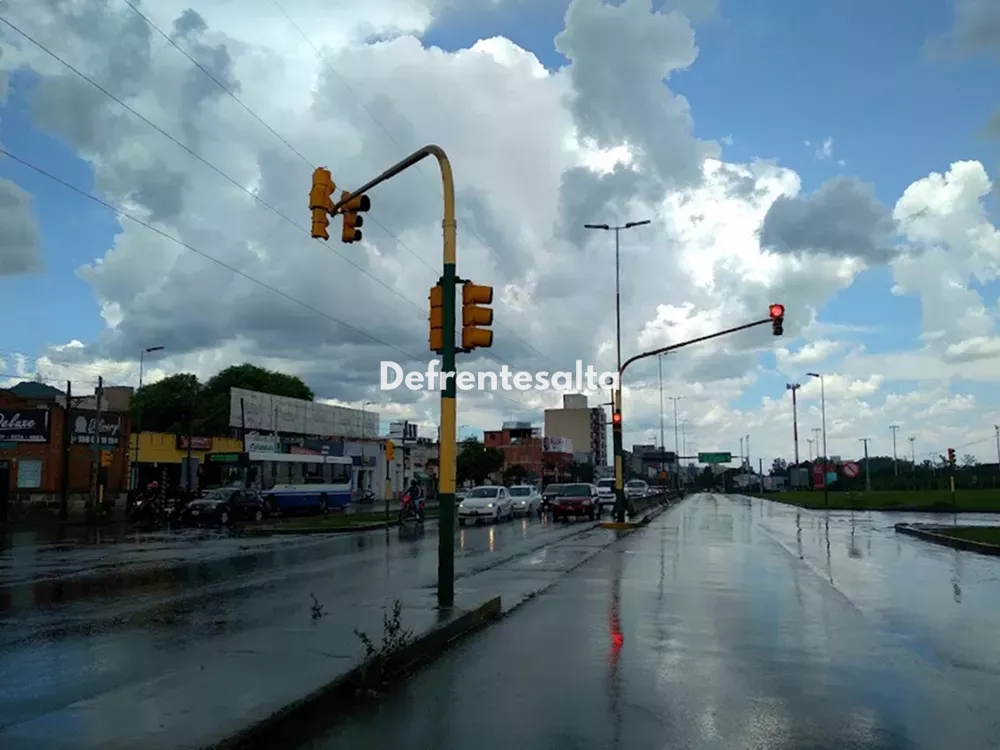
(416, 497)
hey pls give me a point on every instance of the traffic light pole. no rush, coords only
(448, 453)
(617, 425)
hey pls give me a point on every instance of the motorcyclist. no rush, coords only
(417, 499)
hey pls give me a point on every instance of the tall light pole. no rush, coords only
(793, 387)
(659, 362)
(677, 443)
(996, 428)
(135, 416)
(826, 456)
(363, 407)
(895, 462)
(810, 441)
(868, 475)
(617, 397)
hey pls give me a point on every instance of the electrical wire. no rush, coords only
(208, 164)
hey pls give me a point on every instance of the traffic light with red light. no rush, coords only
(777, 313)
(352, 218)
(475, 317)
(437, 319)
(616, 420)
(951, 456)
(320, 202)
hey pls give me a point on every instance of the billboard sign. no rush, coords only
(24, 426)
(557, 445)
(83, 428)
(261, 444)
(254, 411)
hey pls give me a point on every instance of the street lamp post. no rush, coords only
(135, 430)
(659, 362)
(363, 407)
(617, 434)
(826, 456)
(677, 446)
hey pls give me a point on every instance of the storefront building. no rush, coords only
(48, 453)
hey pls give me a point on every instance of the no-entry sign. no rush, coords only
(851, 469)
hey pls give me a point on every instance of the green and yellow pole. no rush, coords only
(448, 454)
(616, 434)
(446, 487)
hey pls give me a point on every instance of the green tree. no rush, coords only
(515, 474)
(476, 462)
(213, 407)
(581, 471)
(164, 406)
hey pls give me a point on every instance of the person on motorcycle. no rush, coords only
(417, 499)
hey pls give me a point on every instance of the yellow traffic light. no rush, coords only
(105, 458)
(475, 317)
(320, 202)
(437, 319)
(352, 221)
(390, 451)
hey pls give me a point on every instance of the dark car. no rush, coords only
(576, 500)
(549, 494)
(224, 506)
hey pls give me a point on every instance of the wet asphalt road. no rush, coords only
(727, 623)
(65, 642)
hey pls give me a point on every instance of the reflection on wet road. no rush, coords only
(727, 623)
(65, 640)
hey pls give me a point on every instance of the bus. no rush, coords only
(289, 482)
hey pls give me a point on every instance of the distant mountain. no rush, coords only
(32, 389)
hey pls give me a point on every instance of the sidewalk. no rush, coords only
(190, 677)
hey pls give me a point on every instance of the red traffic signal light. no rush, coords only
(951, 455)
(777, 313)
(616, 418)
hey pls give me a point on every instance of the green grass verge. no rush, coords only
(981, 534)
(984, 501)
(332, 522)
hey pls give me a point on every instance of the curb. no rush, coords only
(349, 528)
(643, 520)
(300, 718)
(933, 534)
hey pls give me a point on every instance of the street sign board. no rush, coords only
(851, 470)
(715, 458)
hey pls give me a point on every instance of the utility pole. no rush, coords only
(659, 362)
(66, 443)
(913, 454)
(749, 465)
(895, 462)
(793, 387)
(677, 444)
(826, 455)
(96, 445)
(810, 441)
(868, 474)
(996, 428)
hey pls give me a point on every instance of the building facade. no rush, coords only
(521, 444)
(584, 426)
(48, 450)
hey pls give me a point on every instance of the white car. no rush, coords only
(489, 503)
(526, 499)
(606, 493)
(636, 489)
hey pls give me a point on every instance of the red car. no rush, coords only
(576, 500)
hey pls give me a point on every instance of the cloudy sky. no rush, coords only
(836, 157)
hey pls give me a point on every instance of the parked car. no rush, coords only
(577, 500)
(549, 494)
(487, 503)
(224, 506)
(636, 489)
(525, 499)
(606, 493)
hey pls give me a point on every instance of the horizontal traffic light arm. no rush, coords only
(682, 344)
